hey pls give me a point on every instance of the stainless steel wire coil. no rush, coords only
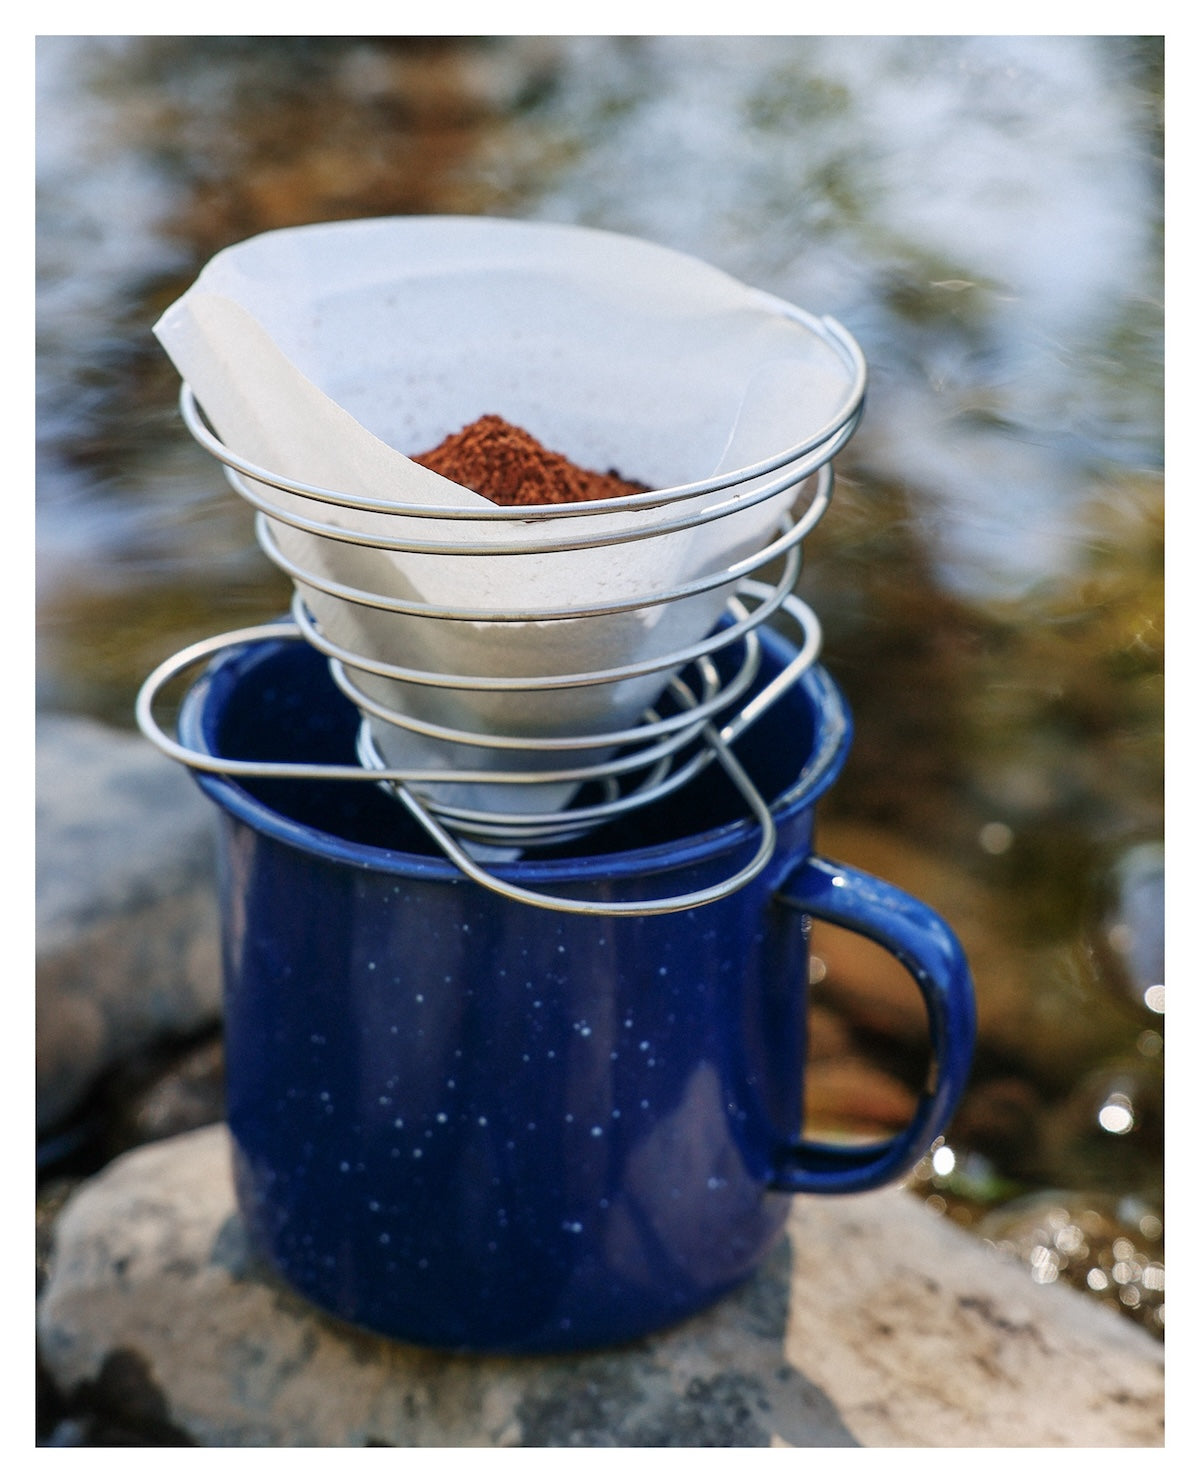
(529, 772)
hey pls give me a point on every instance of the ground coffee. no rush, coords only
(510, 467)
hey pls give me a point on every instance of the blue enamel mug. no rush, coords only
(474, 1124)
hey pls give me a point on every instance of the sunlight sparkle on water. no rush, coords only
(1116, 1116)
(943, 1160)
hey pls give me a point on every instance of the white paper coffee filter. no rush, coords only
(328, 353)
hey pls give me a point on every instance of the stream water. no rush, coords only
(985, 215)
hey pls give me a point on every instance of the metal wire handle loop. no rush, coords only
(194, 654)
(232, 767)
(686, 901)
(546, 825)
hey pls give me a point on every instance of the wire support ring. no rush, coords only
(407, 545)
(506, 684)
(829, 437)
(695, 712)
(792, 534)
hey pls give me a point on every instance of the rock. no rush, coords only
(1112, 1245)
(51, 1198)
(127, 935)
(874, 1323)
(187, 1092)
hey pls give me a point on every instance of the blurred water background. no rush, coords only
(985, 215)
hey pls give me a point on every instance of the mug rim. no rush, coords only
(831, 741)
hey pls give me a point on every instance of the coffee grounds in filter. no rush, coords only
(509, 466)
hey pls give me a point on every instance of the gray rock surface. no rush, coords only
(127, 935)
(875, 1323)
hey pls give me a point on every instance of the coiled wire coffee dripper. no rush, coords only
(484, 793)
(660, 754)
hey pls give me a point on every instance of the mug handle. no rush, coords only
(922, 942)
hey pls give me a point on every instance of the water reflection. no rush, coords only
(985, 215)
(984, 211)
(1081, 1243)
